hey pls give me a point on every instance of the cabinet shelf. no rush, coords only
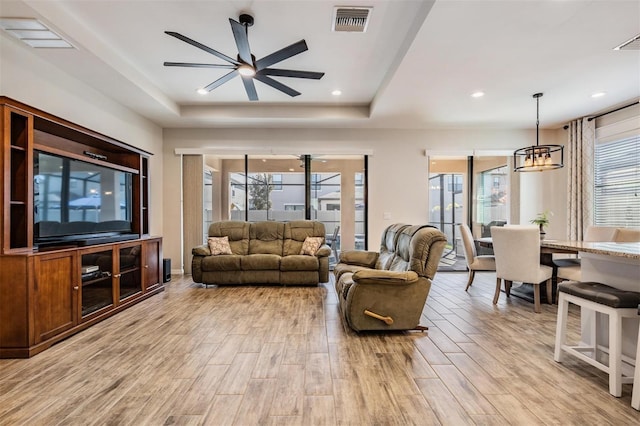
(129, 270)
(95, 280)
(18, 148)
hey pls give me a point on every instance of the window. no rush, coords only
(617, 183)
(276, 182)
(316, 180)
(294, 207)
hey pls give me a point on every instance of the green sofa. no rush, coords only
(387, 290)
(263, 253)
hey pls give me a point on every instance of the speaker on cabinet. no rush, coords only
(166, 270)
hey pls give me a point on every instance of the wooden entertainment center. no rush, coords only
(49, 292)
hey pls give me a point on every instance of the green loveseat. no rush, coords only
(388, 290)
(263, 253)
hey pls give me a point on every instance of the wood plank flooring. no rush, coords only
(281, 356)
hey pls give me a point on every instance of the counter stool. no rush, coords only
(635, 397)
(615, 303)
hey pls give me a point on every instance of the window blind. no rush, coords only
(617, 183)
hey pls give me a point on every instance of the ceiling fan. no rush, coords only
(246, 64)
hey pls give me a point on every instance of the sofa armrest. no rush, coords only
(359, 257)
(324, 251)
(202, 250)
(375, 276)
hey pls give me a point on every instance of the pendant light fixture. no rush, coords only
(538, 158)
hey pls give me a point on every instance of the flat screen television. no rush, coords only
(80, 203)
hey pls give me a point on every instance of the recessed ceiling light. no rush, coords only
(598, 94)
(202, 91)
(336, 92)
(33, 32)
(477, 94)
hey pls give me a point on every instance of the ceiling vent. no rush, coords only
(633, 44)
(351, 19)
(33, 32)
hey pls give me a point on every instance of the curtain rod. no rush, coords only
(566, 126)
(613, 110)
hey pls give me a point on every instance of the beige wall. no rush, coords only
(29, 79)
(398, 172)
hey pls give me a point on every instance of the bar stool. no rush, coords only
(635, 397)
(615, 303)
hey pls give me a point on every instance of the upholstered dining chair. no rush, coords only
(517, 253)
(627, 235)
(474, 262)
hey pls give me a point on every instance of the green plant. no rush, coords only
(542, 219)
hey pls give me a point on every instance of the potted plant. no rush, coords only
(542, 220)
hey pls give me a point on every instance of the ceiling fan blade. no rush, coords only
(202, 46)
(221, 81)
(242, 41)
(276, 85)
(282, 54)
(291, 73)
(250, 87)
(192, 65)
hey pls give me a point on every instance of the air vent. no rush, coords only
(351, 19)
(633, 44)
(33, 32)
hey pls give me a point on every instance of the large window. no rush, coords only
(617, 183)
(492, 196)
(283, 187)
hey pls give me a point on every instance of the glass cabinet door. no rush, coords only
(97, 281)
(129, 277)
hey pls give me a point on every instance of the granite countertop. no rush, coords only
(628, 250)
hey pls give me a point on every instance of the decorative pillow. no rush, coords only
(219, 245)
(311, 245)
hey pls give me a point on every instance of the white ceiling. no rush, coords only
(415, 67)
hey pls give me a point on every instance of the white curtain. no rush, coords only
(580, 156)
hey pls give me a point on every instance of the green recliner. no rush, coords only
(387, 290)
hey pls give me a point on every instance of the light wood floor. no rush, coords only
(280, 355)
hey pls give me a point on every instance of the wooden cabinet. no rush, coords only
(46, 297)
(51, 291)
(152, 269)
(55, 294)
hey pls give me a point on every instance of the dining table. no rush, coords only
(614, 264)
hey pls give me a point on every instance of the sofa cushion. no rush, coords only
(221, 263)
(295, 233)
(388, 245)
(311, 245)
(237, 231)
(266, 238)
(256, 262)
(219, 245)
(299, 262)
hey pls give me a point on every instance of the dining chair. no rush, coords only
(475, 262)
(570, 269)
(517, 254)
(627, 235)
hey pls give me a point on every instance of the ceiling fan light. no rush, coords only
(246, 70)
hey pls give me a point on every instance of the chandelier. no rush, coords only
(538, 158)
